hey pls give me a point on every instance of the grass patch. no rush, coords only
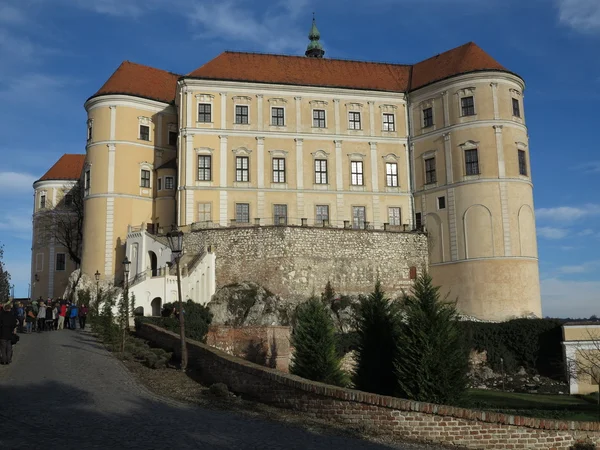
(544, 406)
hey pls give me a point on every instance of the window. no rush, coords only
(278, 170)
(319, 118)
(354, 120)
(394, 217)
(89, 131)
(172, 137)
(418, 221)
(145, 181)
(205, 112)
(204, 212)
(39, 262)
(427, 117)
(204, 168)
(358, 217)
(68, 200)
(391, 174)
(356, 173)
(169, 182)
(241, 114)
(441, 203)
(471, 162)
(42, 201)
(320, 171)
(144, 132)
(86, 182)
(277, 117)
(468, 106)
(159, 184)
(61, 262)
(389, 122)
(516, 108)
(322, 214)
(430, 175)
(522, 163)
(242, 212)
(241, 168)
(280, 214)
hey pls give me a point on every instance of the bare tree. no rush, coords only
(64, 221)
(4, 279)
(584, 365)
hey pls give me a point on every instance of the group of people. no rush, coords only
(37, 316)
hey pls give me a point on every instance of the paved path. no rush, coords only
(65, 391)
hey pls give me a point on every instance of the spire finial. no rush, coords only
(314, 49)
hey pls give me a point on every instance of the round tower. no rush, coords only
(474, 194)
(132, 130)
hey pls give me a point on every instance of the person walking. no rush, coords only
(83, 312)
(20, 316)
(61, 316)
(73, 316)
(29, 318)
(41, 317)
(49, 317)
(8, 324)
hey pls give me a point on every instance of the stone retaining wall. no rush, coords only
(389, 415)
(294, 262)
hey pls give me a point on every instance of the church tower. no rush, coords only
(314, 49)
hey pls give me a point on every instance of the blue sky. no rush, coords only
(54, 54)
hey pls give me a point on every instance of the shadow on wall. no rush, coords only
(37, 411)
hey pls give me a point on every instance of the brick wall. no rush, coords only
(267, 346)
(389, 415)
(297, 261)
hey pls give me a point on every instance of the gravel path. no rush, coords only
(65, 391)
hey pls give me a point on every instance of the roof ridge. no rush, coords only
(148, 67)
(387, 63)
(468, 44)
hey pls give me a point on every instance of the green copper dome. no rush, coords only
(314, 48)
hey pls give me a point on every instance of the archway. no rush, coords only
(153, 263)
(156, 306)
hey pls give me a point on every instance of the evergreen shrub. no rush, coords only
(314, 341)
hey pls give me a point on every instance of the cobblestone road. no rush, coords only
(65, 391)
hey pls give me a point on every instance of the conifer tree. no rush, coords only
(432, 362)
(314, 341)
(377, 322)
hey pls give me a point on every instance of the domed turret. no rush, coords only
(314, 48)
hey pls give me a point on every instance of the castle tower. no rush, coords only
(314, 49)
(131, 132)
(472, 185)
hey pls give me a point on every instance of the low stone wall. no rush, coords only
(389, 415)
(267, 346)
(294, 262)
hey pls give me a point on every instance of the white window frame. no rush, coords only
(172, 178)
(204, 204)
(39, 262)
(142, 179)
(242, 100)
(43, 200)
(147, 122)
(318, 221)
(150, 168)
(470, 145)
(462, 93)
(87, 180)
(277, 171)
(383, 123)
(360, 174)
(437, 203)
(236, 211)
(56, 262)
(360, 121)
(90, 130)
(312, 111)
(357, 225)
(392, 163)
(390, 208)
(277, 106)
(205, 99)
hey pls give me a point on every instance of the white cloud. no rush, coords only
(562, 298)
(589, 167)
(11, 182)
(567, 213)
(16, 224)
(586, 232)
(552, 233)
(581, 15)
(11, 15)
(586, 267)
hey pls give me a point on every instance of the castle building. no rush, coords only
(265, 140)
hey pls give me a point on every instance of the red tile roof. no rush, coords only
(68, 167)
(300, 70)
(141, 81)
(147, 82)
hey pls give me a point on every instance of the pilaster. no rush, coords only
(339, 180)
(446, 104)
(494, 87)
(374, 167)
(188, 108)
(111, 168)
(448, 158)
(260, 161)
(503, 190)
(298, 114)
(113, 122)
(371, 117)
(336, 114)
(223, 110)
(259, 107)
(223, 210)
(452, 225)
(299, 177)
(108, 237)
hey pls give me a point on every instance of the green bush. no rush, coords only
(532, 343)
(378, 324)
(315, 356)
(432, 360)
(197, 320)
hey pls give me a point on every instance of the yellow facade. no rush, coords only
(581, 345)
(229, 152)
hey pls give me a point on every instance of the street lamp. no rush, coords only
(175, 238)
(97, 275)
(126, 264)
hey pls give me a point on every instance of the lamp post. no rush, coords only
(175, 239)
(97, 275)
(126, 264)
